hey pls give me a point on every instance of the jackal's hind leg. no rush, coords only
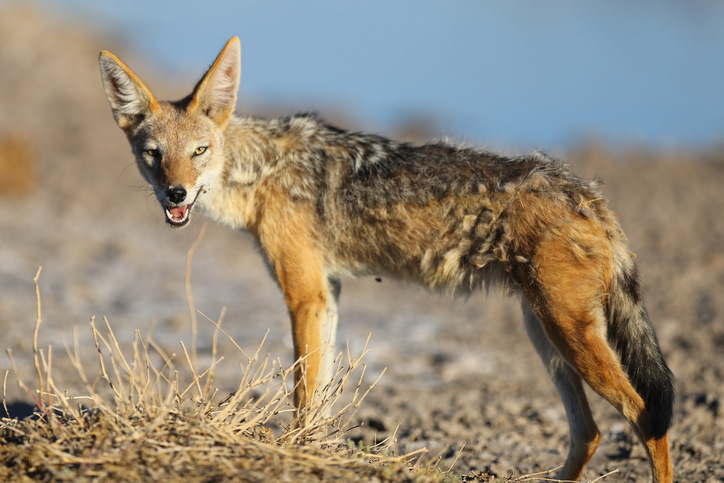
(584, 435)
(567, 291)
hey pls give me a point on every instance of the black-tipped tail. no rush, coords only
(632, 335)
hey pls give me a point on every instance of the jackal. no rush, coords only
(324, 203)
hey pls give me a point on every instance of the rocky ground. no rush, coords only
(460, 374)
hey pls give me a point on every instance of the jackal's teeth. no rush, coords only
(173, 219)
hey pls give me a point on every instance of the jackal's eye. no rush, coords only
(151, 152)
(200, 150)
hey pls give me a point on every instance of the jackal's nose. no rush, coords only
(176, 194)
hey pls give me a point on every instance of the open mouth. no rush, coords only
(178, 216)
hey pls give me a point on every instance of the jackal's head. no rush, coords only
(178, 145)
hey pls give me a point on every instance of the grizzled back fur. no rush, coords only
(444, 215)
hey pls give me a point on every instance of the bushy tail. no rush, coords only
(631, 334)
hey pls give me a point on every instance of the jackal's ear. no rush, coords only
(130, 99)
(215, 94)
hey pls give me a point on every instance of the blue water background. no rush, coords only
(513, 73)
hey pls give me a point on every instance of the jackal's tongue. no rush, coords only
(178, 212)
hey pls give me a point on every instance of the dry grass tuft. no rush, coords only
(139, 421)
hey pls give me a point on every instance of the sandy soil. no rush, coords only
(459, 372)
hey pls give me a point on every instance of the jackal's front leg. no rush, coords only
(314, 325)
(311, 298)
